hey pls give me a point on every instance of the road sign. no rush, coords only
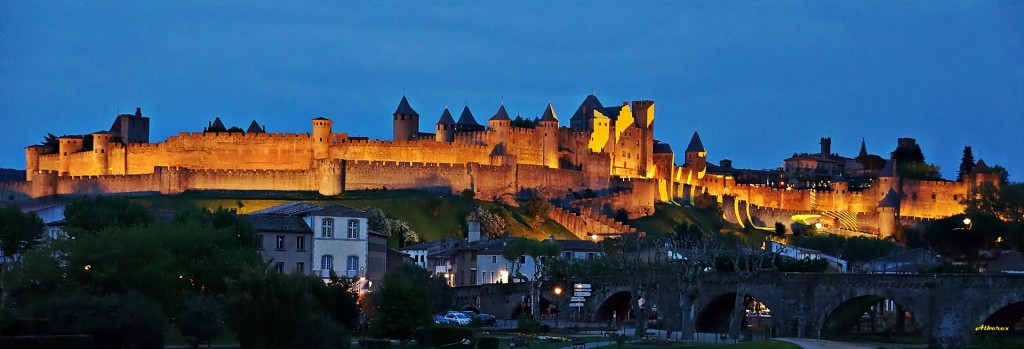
(581, 294)
(576, 299)
(576, 305)
(581, 286)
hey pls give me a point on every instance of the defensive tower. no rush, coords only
(321, 137)
(445, 127)
(407, 122)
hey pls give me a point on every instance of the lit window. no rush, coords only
(353, 228)
(327, 228)
(327, 262)
(352, 266)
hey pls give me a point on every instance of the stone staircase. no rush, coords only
(586, 217)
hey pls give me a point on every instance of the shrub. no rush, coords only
(375, 343)
(49, 342)
(468, 193)
(487, 343)
(527, 325)
(432, 337)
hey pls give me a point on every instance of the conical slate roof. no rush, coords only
(467, 119)
(446, 118)
(587, 108)
(217, 124)
(863, 148)
(549, 114)
(254, 128)
(404, 108)
(889, 170)
(981, 167)
(891, 199)
(695, 144)
(501, 114)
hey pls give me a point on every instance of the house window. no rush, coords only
(279, 243)
(327, 228)
(522, 259)
(300, 267)
(352, 266)
(591, 255)
(300, 243)
(494, 259)
(327, 262)
(279, 266)
(353, 228)
(567, 254)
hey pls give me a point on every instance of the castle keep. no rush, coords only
(610, 150)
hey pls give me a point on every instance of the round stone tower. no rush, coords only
(502, 127)
(321, 138)
(100, 141)
(548, 126)
(68, 146)
(407, 122)
(445, 127)
(32, 154)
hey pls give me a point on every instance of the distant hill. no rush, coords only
(11, 175)
(432, 216)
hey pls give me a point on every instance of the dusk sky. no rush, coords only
(758, 80)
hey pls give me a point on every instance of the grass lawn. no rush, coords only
(432, 216)
(892, 339)
(667, 216)
(769, 344)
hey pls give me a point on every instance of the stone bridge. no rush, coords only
(946, 309)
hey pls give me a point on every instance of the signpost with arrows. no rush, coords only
(580, 292)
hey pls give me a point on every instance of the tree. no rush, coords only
(378, 221)
(273, 310)
(622, 215)
(918, 170)
(90, 214)
(538, 251)
(1001, 173)
(401, 309)
(491, 224)
(469, 194)
(689, 259)
(337, 300)
(535, 204)
(51, 141)
(519, 121)
(747, 262)
(780, 229)
(966, 163)
(707, 202)
(440, 296)
(201, 320)
(18, 231)
(638, 258)
(1005, 201)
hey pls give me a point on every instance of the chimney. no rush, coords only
(474, 231)
(138, 112)
(551, 237)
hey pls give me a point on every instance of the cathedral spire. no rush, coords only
(863, 148)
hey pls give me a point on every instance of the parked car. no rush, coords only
(457, 318)
(440, 320)
(488, 319)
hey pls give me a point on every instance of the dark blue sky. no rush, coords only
(758, 80)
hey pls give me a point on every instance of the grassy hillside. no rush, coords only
(667, 216)
(432, 216)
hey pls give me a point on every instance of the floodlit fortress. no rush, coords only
(610, 150)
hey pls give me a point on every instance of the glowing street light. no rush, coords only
(558, 301)
(967, 221)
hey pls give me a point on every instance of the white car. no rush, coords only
(458, 318)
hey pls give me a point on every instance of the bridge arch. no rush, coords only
(1002, 319)
(523, 307)
(714, 316)
(616, 307)
(870, 314)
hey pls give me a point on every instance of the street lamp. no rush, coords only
(967, 221)
(558, 303)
